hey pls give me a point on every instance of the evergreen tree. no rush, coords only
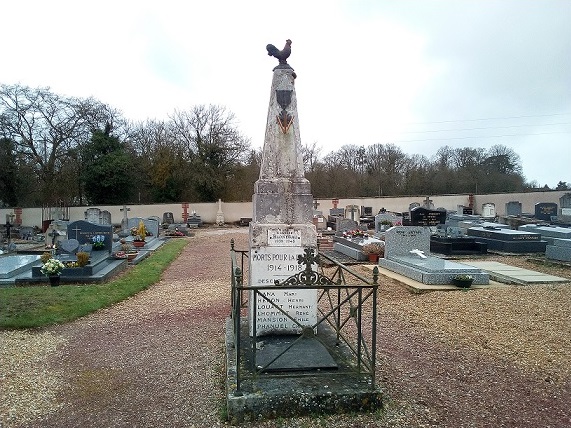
(107, 169)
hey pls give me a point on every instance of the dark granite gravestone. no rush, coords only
(457, 245)
(545, 210)
(89, 233)
(420, 216)
(168, 218)
(512, 241)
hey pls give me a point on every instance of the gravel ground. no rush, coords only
(495, 357)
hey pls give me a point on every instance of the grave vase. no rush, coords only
(462, 283)
(373, 258)
(54, 280)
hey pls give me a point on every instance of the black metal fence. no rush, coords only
(345, 327)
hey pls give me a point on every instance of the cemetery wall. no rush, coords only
(234, 211)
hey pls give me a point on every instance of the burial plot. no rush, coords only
(407, 252)
(451, 240)
(508, 240)
(559, 249)
(547, 233)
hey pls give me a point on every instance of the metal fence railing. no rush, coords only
(345, 327)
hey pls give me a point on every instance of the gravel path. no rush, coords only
(483, 358)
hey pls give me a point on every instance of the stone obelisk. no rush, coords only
(282, 222)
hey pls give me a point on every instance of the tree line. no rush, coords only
(58, 150)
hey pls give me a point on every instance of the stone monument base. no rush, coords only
(291, 390)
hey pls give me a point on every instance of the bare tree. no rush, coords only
(45, 128)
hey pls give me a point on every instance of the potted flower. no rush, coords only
(374, 250)
(462, 281)
(52, 268)
(139, 240)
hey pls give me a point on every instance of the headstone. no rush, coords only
(420, 216)
(565, 200)
(352, 212)
(105, 217)
(564, 215)
(125, 220)
(385, 220)
(489, 210)
(194, 220)
(168, 218)
(92, 215)
(513, 208)
(400, 240)
(133, 222)
(427, 203)
(413, 205)
(152, 226)
(281, 229)
(344, 224)
(27, 233)
(545, 210)
(87, 233)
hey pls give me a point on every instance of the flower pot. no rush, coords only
(373, 258)
(138, 244)
(131, 256)
(54, 280)
(462, 283)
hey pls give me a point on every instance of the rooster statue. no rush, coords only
(282, 55)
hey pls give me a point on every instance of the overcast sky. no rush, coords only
(417, 73)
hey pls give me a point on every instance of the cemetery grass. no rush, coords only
(39, 306)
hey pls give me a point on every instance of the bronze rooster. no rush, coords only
(282, 55)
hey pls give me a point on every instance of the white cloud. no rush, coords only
(368, 70)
